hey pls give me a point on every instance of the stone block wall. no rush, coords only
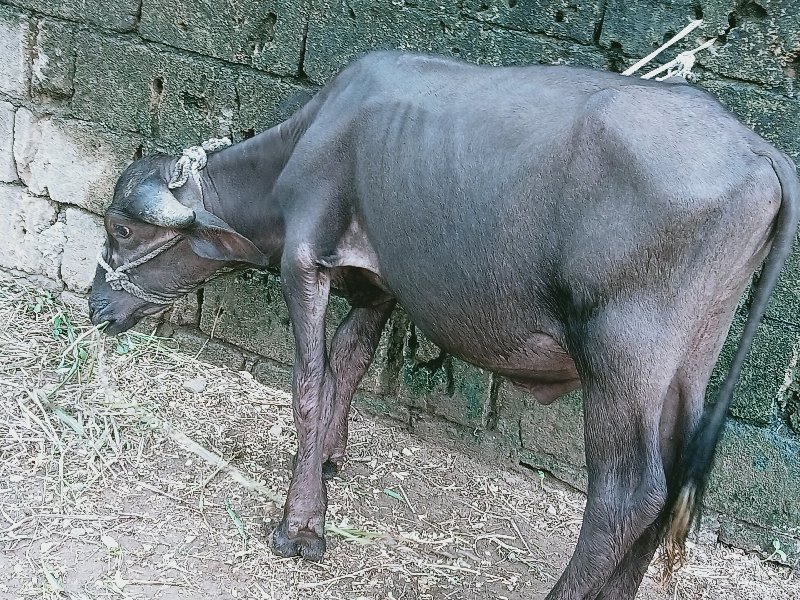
(86, 87)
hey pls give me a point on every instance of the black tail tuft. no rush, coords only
(686, 500)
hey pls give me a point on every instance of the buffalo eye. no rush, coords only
(122, 232)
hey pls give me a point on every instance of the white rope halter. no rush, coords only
(194, 159)
(118, 278)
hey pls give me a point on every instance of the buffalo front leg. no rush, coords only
(352, 351)
(306, 289)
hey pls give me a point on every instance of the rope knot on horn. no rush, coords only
(194, 159)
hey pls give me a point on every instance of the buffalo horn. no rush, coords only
(164, 210)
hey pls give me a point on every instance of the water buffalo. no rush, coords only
(560, 226)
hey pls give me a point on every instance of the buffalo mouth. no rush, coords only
(116, 323)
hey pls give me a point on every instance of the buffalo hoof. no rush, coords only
(330, 469)
(305, 543)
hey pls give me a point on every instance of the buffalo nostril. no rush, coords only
(97, 303)
(96, 306)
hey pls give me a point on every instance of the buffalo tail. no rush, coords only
(690, 476)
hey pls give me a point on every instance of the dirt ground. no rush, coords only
(130, 470)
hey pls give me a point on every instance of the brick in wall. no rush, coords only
(33, 237)
(267, 35)
(84, 237)
(119, 15)
(755, 477)
(784, 304)
(772, 115)
(338, 32)
(172, 97)
(249, 310)
(14, 42)
(262, 101)
(757, 42)
(763, 372)
(8, 171)
(335, 37)
(576, 20)
(53, 63)
(116, 82)
(638, 27)
(760, 42)
(70, 161)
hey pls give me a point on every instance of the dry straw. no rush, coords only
(118, 482)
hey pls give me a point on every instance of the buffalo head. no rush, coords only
(160, 244)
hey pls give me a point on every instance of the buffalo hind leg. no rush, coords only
(680, 417)
(626, 374)
(352, 351)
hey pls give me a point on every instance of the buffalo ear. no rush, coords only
(212, 238)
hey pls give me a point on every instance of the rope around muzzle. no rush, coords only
(118, 278)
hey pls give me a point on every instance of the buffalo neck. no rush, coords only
(237, 186)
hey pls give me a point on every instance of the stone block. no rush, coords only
(641, 26)
(443, 385)
(33, 237)
(340, 31)
(70, 161)
(264, 101)
(382, 407)
(750, 538)
(335, 38)
(750, 53)
(85, 236)
(383, 375)
(793, 415)
(266, 35)
(483, 44)
(186, 311)
(754, 43)
(563, 18)
(763, 373)
(759, 41)
(116, 82)
(772, 115)
(198, 100)
(425, 370)
(248, 310)
(487, 446)
(75, 302)
(784, 305)
(552, 436)
(756, 478)
(8, 170)
(53, 60)
(213, 351)
(119, 15)
(273, 374)
(172, 97)
(14, 43)
(470, 399)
